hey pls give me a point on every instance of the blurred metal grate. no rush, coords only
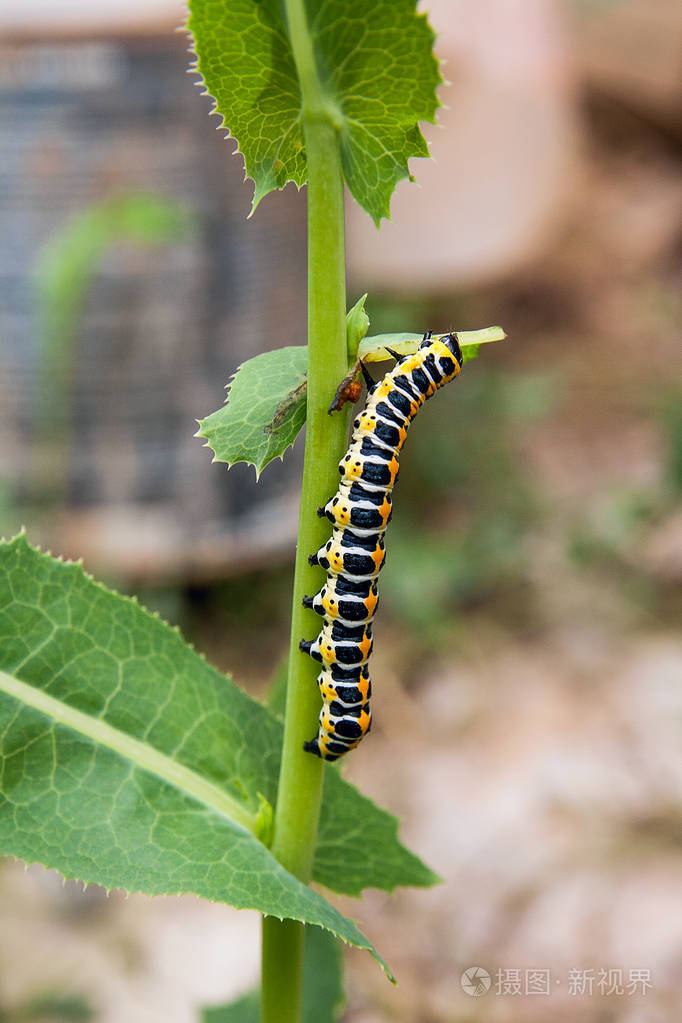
(161, 327)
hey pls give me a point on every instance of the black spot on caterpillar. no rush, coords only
(353, 557)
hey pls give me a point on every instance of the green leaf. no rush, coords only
(265, 407)
(470, 352)
(376, 79)
(323, 996)
(347, 826)
(264, 410)
(373, 349)
(128, 761)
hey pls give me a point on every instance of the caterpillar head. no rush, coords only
(450, 341)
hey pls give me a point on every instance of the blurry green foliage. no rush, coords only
(465, 503)
(256, 605)
(64, 270)
(69, 260)
(51, 1007)
(672, 425)
(244, 599)
(611, 538)
(625, 517)
(463, 509)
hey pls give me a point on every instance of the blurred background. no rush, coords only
(529, 630)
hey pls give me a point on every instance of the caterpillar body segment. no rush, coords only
(350, 725)
(384, 429)
(359, 495)
(340, 644)
(339, 688)
(350, 601)
(345, 717)
(362, 511)
(401, 402)
(374, 473)
(347, 554)
(354, 555)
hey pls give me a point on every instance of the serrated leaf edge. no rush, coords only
(21, 539)
(367, 946)
(256, 198)
(240, 461)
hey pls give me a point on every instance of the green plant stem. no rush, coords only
(302, 775)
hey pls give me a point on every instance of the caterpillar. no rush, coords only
(355, 554)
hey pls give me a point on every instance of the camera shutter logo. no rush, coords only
(475, 981)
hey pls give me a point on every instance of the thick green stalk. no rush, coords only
(302, 775)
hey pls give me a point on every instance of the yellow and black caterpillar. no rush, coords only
(360, 512)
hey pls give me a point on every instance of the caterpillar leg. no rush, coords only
(323, 750)
(352, 602)
(329, 748)
(347, 554)
(339, 734)
(313, 747)
(347, 646)
(345, 716)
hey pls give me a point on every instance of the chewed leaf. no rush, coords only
(376, 74)
(373, 349)
(264, 410)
